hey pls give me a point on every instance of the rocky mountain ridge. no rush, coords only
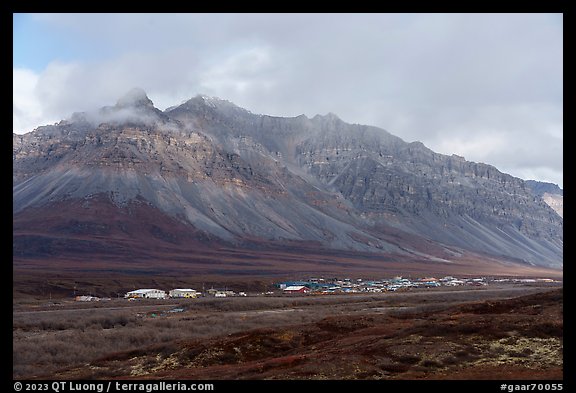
(242, 177)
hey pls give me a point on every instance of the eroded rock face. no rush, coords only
(550, 193)
(237, 175)
(556, 202)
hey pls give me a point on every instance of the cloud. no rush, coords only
(241, 73)
(27, 109)
(488, 86)
(64, 88)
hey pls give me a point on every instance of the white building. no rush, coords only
(146, 294)
(454, 283)
(296, 289)
(84, 298)
(184, 292)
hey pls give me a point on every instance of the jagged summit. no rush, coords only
(205, 101)
(134, 108)
(330, 116)
(136, 97)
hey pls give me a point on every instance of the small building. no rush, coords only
(454, 283)
(220, 292)
(183, 293)
(296, 289)
(286, 284)
(84, 298)
(544, 280)
(146, 294)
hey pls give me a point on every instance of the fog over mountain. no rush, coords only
(208, 172)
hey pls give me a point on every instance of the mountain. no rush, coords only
(550, 193)
(137, 186)
(540, 188)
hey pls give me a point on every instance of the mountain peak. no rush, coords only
(215, 102)
(330, 116)
(136, 97)
(134, 107)
(204, 103)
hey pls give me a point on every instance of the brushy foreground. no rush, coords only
(472, 334)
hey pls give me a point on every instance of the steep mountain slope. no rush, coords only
(444, 198)
(210, 171)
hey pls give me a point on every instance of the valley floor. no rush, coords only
(505, 332)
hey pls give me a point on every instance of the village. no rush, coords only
(323, 286)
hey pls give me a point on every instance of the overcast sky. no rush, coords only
(488, 87)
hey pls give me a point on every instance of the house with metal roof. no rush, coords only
(183, 293)
(296, 289)
(146, 294)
